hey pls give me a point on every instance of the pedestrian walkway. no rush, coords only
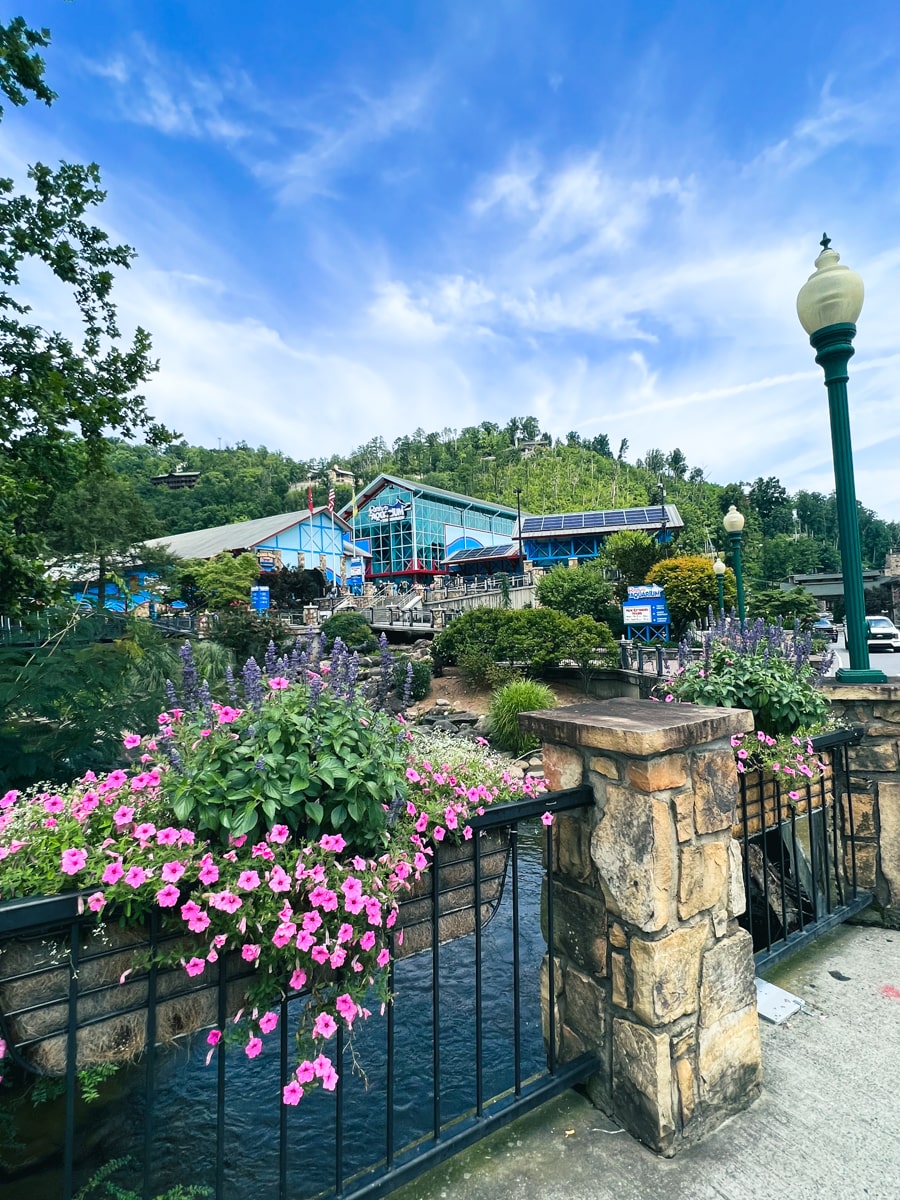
(826, 1128)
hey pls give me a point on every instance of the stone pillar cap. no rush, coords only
(638, 727)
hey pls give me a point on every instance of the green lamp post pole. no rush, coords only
(720, 569)
(828, 306)
(734, 527)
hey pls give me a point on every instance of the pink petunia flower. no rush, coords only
(268, 1021)
(250, 952)
(72, 861)
(325, 1026)
(136, 876)
(196, 966)
(292, 1093)
(172, 871)
(279, 683)
(130, 740)
(547, 818)
(297, 980)
(214, 1037)
(253, 1047)
(113, 873)
(248, 880)
(279, 834)
(96, 902)
(168, 896)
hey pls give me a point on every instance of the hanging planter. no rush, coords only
(454, 871)
(108, 979)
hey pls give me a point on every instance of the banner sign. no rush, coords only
(389, 512)
(259, 598)
(356, 568)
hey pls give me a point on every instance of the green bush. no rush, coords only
(518, 696)
(420, 684)
(576, 591)
(353, 630)
(479, 670)
(530, 640)
(247, 634)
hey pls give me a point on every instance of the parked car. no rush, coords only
(882, 634)
(824, 628)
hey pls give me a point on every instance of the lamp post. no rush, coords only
(720, 569)
(734, 527)
(828, 306)
(519, 525)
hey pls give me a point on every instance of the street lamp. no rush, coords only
(734, 527)
(720, 569)
(828, 305)
(519, 526)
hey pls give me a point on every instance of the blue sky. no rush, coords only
(354, 219)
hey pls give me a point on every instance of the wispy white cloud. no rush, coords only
(355, 123)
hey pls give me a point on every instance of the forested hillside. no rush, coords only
(784, 533)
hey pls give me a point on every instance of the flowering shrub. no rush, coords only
(794, 758)
(763, 668)
(229, 823)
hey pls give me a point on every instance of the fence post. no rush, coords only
(875, 790)
(651, 970)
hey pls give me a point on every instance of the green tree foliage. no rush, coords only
(225, 579)
(247, 634)
(67, 699)
(631, 554)
(531, 640)
(691, 589)
(576, 591)
(791, 606)
(291, 588)
(52, 382)
(353, 629)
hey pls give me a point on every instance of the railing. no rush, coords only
(460, 1052)
(646, 659)
(799, 852)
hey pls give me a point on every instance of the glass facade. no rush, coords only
(405, 526)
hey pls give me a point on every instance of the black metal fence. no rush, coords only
(460, 1052)
(798, 842)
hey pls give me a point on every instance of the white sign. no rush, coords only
(636, 614)
(389, 512)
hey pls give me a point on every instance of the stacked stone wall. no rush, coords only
(874, 791)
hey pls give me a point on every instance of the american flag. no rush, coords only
(331, 500)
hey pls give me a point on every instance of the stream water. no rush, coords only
(184, 1108)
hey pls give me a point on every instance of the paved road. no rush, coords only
(882, 660)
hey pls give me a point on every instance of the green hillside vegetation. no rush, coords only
(242, 483)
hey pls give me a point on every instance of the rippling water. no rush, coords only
(184, 1139)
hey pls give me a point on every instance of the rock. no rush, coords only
(667, 975)
(632, 847)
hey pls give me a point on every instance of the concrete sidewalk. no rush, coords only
(826, 1128)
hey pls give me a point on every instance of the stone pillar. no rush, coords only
(651, 970)
(874, 790)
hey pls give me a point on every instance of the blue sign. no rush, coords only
(259, 598)
(646, 605)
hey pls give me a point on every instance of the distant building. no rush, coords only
(410, 528)
(563, 537)
(304, 538)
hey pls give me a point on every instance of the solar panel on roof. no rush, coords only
(573, 521)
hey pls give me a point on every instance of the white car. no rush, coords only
(882, 634)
